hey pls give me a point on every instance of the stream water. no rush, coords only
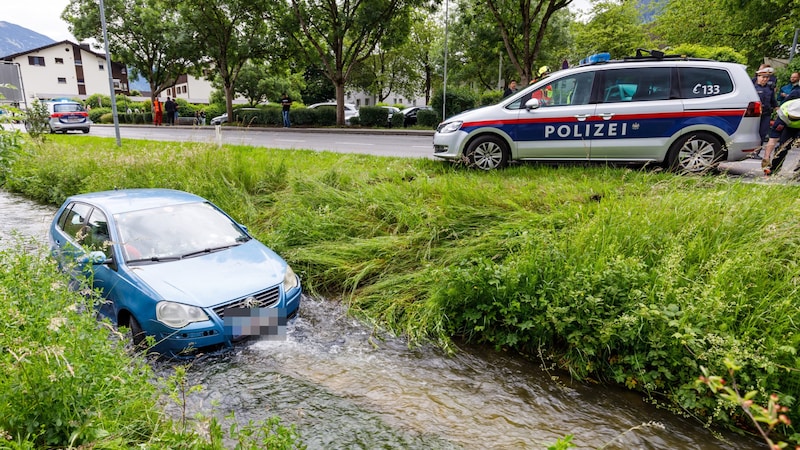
(347, 386)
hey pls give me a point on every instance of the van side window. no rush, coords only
(701, 82)
(636, 85)
(570, 90)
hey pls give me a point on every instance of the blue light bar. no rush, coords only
(596, 58)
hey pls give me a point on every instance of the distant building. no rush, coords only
(66, 70)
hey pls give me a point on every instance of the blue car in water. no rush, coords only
(175, 267)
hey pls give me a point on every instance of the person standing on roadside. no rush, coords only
(157, 112)
(768, 103)
(169, 110)
(286, 104)
(794, 79)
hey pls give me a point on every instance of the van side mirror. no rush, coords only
(533, 103)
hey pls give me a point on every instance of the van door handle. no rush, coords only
(606, 116)
(582, 117)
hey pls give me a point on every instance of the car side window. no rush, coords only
(74, 220)
(570, 90)
(701, 82)
(97, 236)
(636, 84)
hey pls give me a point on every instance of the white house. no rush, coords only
(66, 70)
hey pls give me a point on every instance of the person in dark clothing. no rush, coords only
(286, 103)
(169, 109)
(768, 104)
(511, 89)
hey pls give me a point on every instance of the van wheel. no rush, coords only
(695, 153)
(487, 153)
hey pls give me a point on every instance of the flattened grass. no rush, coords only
(632, 276)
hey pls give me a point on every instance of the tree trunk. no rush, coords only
(339, 84)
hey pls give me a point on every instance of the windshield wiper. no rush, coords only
(208, 250)
(153, 259)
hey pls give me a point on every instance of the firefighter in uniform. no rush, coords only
(785, 129)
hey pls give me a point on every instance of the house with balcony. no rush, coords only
(65, 70)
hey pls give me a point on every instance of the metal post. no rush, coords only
(110, 73)
(444, 89)
(794, 45)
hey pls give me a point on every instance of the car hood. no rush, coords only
(471, 114)
(214, 278)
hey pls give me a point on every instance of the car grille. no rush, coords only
(264, 299)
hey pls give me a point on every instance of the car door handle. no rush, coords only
(582, 117)
(606, 116)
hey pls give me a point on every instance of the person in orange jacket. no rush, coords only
(158, 112)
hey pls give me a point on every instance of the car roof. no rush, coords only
(126, 200)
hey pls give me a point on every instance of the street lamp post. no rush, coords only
(110, 73)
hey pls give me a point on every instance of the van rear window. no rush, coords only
(701, 82)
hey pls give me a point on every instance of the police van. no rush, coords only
(688, 114)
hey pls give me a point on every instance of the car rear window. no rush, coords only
(67, 107)
(701, 82)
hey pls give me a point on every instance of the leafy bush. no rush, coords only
(37, 120)
(373, 116)
(725, 54)
(427, 118)
(459, 99)
(490, 97)
(95, 114)
(397, 120)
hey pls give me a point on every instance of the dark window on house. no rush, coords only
(59, 60)
(100, 66)
(62, 80)
(36, 60)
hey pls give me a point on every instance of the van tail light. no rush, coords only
(753, 110)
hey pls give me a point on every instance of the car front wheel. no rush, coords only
(487, 153)
(137, 335)
(695, 153)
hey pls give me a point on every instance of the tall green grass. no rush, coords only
(630, 276)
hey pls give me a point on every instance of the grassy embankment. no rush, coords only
(625, 276)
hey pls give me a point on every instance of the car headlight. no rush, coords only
(290, 280)
(178, 315)
(450, 127)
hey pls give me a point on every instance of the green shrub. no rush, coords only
(324, 116)
(397, 120)
(427, 118)
(373, 116)
(107, 118)
(95, 114)
(459, 99)
(490, 97)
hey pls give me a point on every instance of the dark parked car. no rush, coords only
(175, 267)
(410, 114)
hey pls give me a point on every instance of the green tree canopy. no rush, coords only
(145, 35)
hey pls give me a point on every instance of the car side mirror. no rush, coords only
(95, 257)
(533, 103)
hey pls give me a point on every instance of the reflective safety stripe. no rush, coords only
(783, 113)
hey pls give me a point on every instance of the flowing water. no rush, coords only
(348, 386)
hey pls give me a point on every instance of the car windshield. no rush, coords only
(175, 232)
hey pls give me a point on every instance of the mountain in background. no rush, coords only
(15, 39)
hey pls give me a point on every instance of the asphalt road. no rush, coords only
(382, 142)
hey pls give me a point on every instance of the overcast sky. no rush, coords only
(41, 16)
(44, 16)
